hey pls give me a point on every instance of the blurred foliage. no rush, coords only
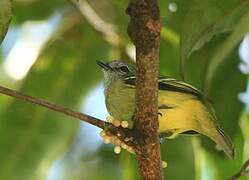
(5, 16)
(199, 42)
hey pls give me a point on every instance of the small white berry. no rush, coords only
(130, 149)
(116, 123)
(123, 145)
(124, 124)
(117, 149)
(164, 164)
(107, 139)
(102, 133)
(117, 141)
(109, 119)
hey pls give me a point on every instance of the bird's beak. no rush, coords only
(103, 65)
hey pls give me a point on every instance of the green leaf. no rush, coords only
(180, 158)
(227, 83)
(5, 17)
(103, 164)
(169, 56)
(37, 10)
(244, 124)
(241, 28)
(129, 166)
(31, 137)
(202, 20)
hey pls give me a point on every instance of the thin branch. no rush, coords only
(121, 133)
(243, 171)
(144, 30)
(106, 29)
(94, 121)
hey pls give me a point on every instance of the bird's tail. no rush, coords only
(224, 143)
(222, 140)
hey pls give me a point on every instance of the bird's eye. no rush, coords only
(124, 69)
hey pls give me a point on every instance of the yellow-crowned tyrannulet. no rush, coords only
(183, 109)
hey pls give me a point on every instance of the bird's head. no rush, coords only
(116, 69)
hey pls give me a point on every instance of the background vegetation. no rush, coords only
(200, 42)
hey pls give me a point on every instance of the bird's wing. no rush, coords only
(169, 84)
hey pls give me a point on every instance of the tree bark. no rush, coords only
(144, 30)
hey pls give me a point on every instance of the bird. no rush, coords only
(182, 108)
